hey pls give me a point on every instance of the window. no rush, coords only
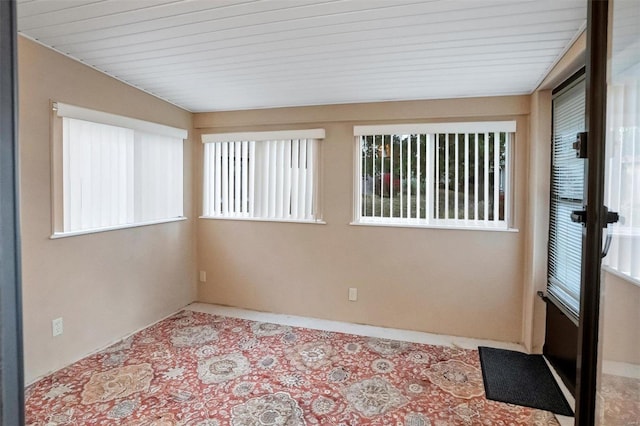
(262, 175)
(112, 171)
(435, 175)
(567, 192)
(622, 193)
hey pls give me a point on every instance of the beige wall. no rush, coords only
(458, 282)
(539, 171)
(620, 317)
(104, 285)
(537, 224)
(571, 61)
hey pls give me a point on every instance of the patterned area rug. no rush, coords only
(197, 369)
(618, 401)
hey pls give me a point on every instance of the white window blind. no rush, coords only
(258, 177)
(98, 175)
(567, 192)
(114, 176)
(158, 177)
(440, 174)
(622, 190)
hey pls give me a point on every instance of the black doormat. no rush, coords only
(521, 379)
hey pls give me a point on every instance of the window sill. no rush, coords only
(259, 219)
(57, 235)
(621, 275)
(449, 226)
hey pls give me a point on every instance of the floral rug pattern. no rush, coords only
(618, 401)
(196, 369)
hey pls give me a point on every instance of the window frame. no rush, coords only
(61, 110)
(317, 135)
(505, 126)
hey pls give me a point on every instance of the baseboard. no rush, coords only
(623, 369)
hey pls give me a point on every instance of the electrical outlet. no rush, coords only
(57, 327)
(203, 276)
(353, 294)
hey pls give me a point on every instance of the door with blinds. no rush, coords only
(565, 236)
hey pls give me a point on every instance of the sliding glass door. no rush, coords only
(618, 395)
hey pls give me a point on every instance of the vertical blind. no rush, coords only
(622, 190)
(114, 175)
(567, 192)
(457, 175)
(97, 175)
(158, 177)
(261, 179)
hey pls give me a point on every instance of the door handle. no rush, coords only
(610, 217)
(580, 145)
(607, 244)
(580, 216)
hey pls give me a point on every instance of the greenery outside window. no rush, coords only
(455, 175)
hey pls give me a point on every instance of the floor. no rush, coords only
(212, 365)
(378, 332)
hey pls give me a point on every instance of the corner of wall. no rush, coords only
(535, 270)
(105, 285)
(537, 224)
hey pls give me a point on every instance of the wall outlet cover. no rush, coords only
(353, 294)
(57, 327)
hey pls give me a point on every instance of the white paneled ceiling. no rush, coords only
(211, 55)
